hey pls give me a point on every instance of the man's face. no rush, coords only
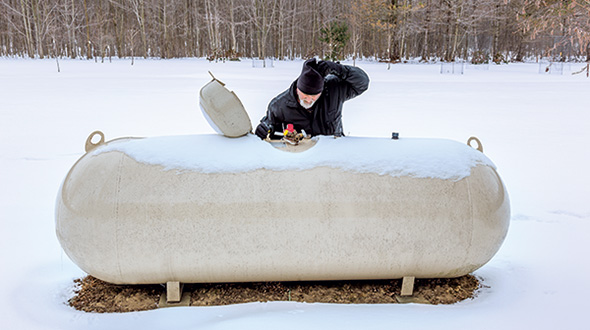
(306, 100)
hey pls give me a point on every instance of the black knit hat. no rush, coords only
(310, 81)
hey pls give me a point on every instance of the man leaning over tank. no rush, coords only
(314, 101)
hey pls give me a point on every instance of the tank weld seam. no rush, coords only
(117, 201)
(67, 181)
(468, 182)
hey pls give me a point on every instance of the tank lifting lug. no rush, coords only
(90, 145)
(479, 145)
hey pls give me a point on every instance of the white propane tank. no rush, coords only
(206, 208)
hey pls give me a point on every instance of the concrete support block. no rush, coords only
(173, 292)
(407, 286)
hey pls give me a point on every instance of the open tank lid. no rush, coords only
(224, 110)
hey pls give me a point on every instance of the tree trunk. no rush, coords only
(292, 47)
(37, 23)
(72, 33)
(88, 43)
(425, 56)
(234, 47)
(101, 41)
(455, 41)
(166, 41)
(27, 28)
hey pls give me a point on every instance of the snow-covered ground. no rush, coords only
(534, 127)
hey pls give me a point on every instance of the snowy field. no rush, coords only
(533, 126)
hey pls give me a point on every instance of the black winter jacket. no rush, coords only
(325, 116)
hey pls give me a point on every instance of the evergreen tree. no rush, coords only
(335, 36)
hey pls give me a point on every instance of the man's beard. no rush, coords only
(306, 105)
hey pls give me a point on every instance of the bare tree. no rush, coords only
(569, 21)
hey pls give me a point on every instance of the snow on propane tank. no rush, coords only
(205, 208)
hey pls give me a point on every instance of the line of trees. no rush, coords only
(388, 30)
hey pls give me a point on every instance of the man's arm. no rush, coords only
(356, 78)
(268, 123)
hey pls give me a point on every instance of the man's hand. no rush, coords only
(262, 131)
(327, 67)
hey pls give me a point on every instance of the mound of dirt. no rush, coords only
(94, 295)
